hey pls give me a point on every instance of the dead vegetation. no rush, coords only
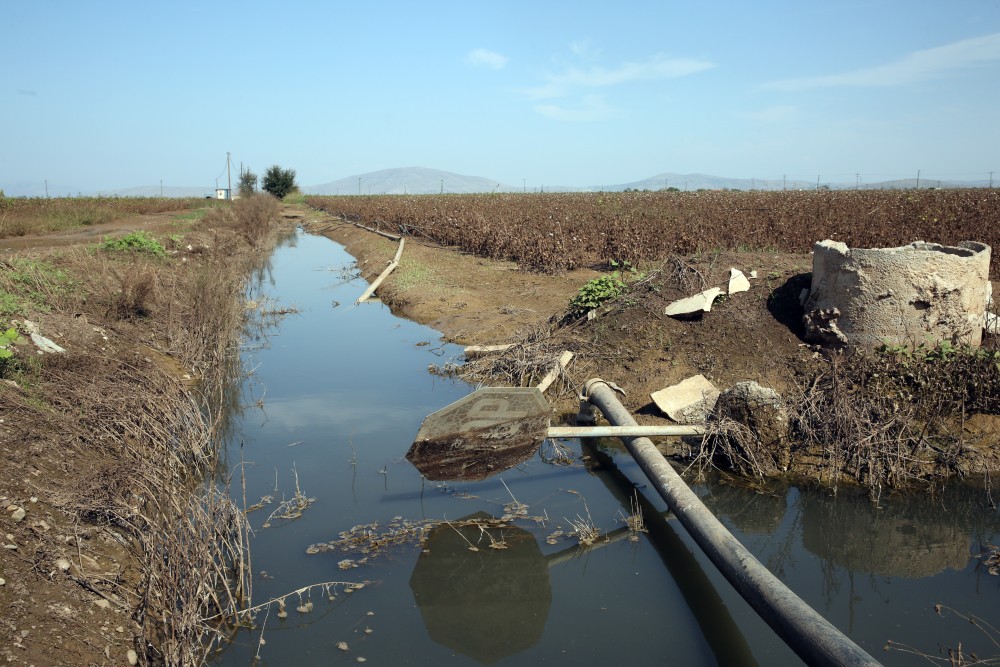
(20, 216)
(558, 232)
(113, 439)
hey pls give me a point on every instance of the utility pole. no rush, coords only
(524, 186)
(359, 185)
(229, 179)
(442, 186)
(857, 181)
(161, 188)
(817, 181)
(991, 179)
(918, 179)
(784, 180)
(46, 188)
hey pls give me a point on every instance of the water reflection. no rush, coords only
(757, 512)
(911, 536)
(723, 635)
(489, 603)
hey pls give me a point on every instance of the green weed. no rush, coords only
(138, 241)
(595, 293)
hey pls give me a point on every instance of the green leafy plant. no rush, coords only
(7, 340)
(138, 241)
(595, 293)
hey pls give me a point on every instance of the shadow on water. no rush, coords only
(716, 623)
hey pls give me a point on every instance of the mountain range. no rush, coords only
(423, 180)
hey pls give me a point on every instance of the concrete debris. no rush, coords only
(753, 274)
(821, 323)
(40, 341)
(695, 305)
(737, 281)
(18, 515)
(762, 410)
(688, 402)
(63, 564)
(992, 324)
(923, 292)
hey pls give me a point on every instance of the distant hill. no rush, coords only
(423, 180)
(707, 182)
(408, 180)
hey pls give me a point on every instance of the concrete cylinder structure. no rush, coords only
(918, 293)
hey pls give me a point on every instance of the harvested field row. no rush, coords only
(552, 233)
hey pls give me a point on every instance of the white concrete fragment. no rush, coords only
(693, 305)
(753, 274)
(689, 401)
(737, 281)
(40, 341)
(46, 345)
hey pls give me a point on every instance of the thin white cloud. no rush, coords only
(590, 108)
(913, 67)
(657, 67)
(486, 58)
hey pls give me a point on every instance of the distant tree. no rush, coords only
(248, 183)
(279, 182)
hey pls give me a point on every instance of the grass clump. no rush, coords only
(138, 241)
(28, 284)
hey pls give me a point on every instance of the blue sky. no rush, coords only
(117, 94)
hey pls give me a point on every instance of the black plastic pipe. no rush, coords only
(805, 631)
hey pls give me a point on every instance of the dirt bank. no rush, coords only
(102, 444)
(754, 335)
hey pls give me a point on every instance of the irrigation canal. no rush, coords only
(332, 400)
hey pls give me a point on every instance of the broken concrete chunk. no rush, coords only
(762, 410)
(46, 345)
(40, 341)
(753, 274)
(689, 401)
(694, 305)
(737, 281)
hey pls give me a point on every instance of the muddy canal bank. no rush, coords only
(374, 562)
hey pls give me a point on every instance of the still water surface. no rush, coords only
(336, 396)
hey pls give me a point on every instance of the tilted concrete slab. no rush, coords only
(689, 401)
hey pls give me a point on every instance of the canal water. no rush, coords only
(333, 398)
